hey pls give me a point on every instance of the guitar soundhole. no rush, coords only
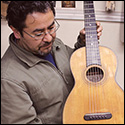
(95, 74)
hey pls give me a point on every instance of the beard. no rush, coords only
(48, 48)
(44, 48)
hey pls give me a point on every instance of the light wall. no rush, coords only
(112, 37)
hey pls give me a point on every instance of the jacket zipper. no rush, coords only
(62, 75)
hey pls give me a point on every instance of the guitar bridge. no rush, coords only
(98, 116)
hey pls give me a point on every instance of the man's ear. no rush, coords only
(16, 32)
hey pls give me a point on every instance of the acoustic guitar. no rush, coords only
(96, 97)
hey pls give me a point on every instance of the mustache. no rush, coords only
(45, 44)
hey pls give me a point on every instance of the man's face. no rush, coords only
(37, 23)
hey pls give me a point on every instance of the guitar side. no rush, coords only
(92, 99)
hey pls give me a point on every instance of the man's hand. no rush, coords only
(99, 32)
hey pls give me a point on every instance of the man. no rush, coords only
(35, 72)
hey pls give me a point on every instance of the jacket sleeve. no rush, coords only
(16, 105)
(79, 43)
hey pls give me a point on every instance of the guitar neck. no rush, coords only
(92, 48)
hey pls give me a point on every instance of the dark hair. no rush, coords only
(18, 10)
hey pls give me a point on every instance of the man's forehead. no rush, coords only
(39, 17)
(39, 20)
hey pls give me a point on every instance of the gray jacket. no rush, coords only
(32, 89)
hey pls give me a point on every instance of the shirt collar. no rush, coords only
(27, 57)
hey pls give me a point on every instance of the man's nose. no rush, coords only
(47, 37)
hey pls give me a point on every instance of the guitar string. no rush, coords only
(87, 61)
(94, 73)
(90, 91)
(96, 69)
(91, 72)
(89, 75)
(96, 76)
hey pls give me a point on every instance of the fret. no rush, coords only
(91, 57)
(91, 44)
(92, 49)
(90, 24)
(91, 33)
(89, 11)
(88, 2)
(97, 56)
(94, 60)
(90, 20)
(90, 16)
(91, 37)
(90, 6)
(89, 28)
(91, 41)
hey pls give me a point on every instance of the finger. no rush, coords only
(99, 27)
(99, 34)
(82, 32)
(98, 24)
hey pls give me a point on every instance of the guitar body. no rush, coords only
(94, 99)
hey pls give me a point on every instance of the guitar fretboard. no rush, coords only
(92, 47)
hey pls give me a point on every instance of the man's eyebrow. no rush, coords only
(51, 25)
(37, 30)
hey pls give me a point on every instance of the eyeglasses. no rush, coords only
(41, 35)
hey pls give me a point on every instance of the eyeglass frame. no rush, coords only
(45, 33)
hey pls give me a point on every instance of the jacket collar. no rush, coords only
(27, 57)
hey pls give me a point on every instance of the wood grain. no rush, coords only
(87, 97)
